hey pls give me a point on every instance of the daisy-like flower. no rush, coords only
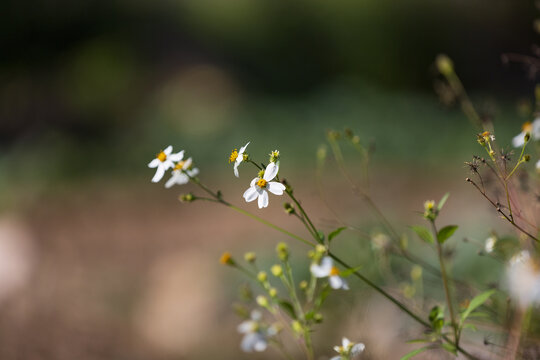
(532, 128)
(327, 269)
(237, 157)
(256, 335)
(260, 186)
(181, 173)
(164, 161)
(348, 350)
(523, 275)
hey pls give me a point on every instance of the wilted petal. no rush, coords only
(271, 171)
(276, 188)
(250, 194)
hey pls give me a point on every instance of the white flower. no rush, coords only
(256, 335)
(327, 269)
(523, 275)
(532, 128)
(237, 157)
(181, 173)
(259, 186)
(164, 161)
(490, 244)
(348, 350)
(538, 165)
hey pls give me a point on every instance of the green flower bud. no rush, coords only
(262, 301)
(262, 277)
(277, 270)
(318, 318)
(250, 257)
(283, 251)
(416, 272)
(444, 64)
(303, 285)
(297, 327)
(187, 197)
(527, 157)
(272, 292)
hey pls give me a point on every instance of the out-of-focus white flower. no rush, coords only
(532, 128)
(164, 161)
(256, 335)
(327, 269)
(538, 165)
(237, 157)
(490, 244)
(259, 186)
(348, 350)
(181, 173)
(523, 275)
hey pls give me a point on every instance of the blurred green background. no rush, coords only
(90, 91)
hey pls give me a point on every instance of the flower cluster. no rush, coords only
(182, 171)
(348, 350)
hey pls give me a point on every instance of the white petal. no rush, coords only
(154, 163)
(323, 269)
(519, 140)
(250, 194)
(357, 349)
(187, 164)
(252, 183)
(256, 315)
(172, 180)
(176, 157)
(245, 326)
(538, 165)
(337, 349)
(248, 342)
(276, 188)
(536, 129)
(167, 164)
(236, 169)
(193, 172)
(160, 171)
(242, 149)
(345, 342)
(168, 150)
(261, 344)
(344, 284)
(271, 171)
(335, 282)
(263, 199)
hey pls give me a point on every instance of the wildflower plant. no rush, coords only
(288, 308)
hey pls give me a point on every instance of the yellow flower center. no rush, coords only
(233, 156)
(161, 156)
(261, 183)
(334, 271)
(225, 258)
(527, 127)
(180, 165)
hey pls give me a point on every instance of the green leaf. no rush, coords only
(443, 200)
(414, 353)
(335, 233)
(349, 272)
(287, 307)
(326, 290)
(321, 237)
(470, 326)
(436, 318)
(446, 232)
(423, 233)
(476, 302)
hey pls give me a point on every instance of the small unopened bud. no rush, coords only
(297, 327)
(226, 259)
(262, 301)
(303, 285)
(272, 292)
(334, 135)
(348, 133)
(321, 249)
(527, 136)
(444, 64)
(311, 254)
(187, 197)
(274, 156)
(416, 272)
(527, 157)
(250, 257)
(289, 209)
(277, 270)
(318, 318)
(262, 277)
(283, 251)
(356, 139)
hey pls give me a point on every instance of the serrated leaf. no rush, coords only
(423, 233)
(446, 232)
(443, 201)
(287, 307)
(476, 302)
(335, 233)
(414, 353)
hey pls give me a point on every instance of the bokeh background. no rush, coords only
(98, 263)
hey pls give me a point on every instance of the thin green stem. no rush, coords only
(445, 282)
